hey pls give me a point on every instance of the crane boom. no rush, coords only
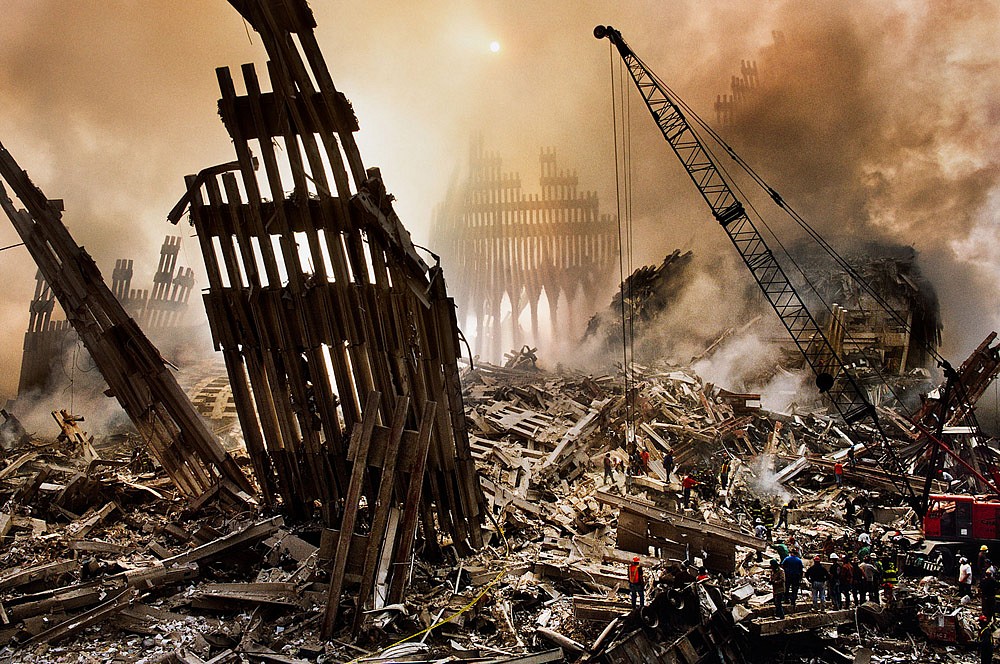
(832, 376)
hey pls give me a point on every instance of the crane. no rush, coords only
(832, 375)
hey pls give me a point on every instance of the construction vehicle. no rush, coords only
(833, 377)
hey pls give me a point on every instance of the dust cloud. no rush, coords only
(879, 122)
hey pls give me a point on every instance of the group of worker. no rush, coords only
(638, 464)
(837, 580)
(989, 589)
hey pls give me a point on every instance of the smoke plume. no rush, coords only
(879, 121)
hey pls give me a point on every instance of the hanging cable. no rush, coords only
(627, 176)
(621, 238)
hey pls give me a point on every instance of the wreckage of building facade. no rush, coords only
(509, 248)
(344, 373)
(48, 340)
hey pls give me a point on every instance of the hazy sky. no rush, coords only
(883, 124)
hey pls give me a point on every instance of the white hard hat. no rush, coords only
(834, 556)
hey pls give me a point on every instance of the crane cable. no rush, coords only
(624, 214)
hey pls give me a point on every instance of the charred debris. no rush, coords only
(392, 502)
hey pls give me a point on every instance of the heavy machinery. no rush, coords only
(833, 377)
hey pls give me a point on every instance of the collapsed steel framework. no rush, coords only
(339, 341)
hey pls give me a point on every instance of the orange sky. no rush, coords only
(884, 124)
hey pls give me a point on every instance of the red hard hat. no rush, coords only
(636, 559)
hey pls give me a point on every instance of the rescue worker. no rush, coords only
(687, 484)
(724, 475)
(668, 462)
(838, 473)
(985, 640)
(876, 580)
(867, 518)
(783, 516)
(760, 530)
(828, 545)
(834, 583)
(846, 581)
(636, 583)
(609, 469)
(756, 510)
(868, 572)
(793, 576)
(770, 516)
(818, 575)
(849, 511)
(964, 577)
(644, 458)
(777, 588)
(858, 582)
(988, 588)
(983, 561)
(890, 576)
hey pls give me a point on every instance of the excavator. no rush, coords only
(944, 516)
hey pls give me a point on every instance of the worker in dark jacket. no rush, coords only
(988, 587)
(867, 518)
(985, 640)
(846, 581)
(834, 584)
(818, 575)
(777, 588)
(858, 585)
(783, 516)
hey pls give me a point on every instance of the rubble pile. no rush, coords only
(101, 555)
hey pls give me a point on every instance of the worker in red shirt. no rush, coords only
(636, 583)
(687, 484)
(644, 457)
(838, 473)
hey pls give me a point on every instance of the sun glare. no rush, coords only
(495, 46)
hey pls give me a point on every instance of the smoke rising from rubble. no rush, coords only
(880, 124)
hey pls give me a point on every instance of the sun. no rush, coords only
(495, 46)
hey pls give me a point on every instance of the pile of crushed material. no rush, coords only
(103, 561)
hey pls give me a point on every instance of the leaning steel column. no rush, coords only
(132, 367)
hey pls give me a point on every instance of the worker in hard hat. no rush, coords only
(834, 582)
(964, 577)
(985, 640)
(983, 560)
